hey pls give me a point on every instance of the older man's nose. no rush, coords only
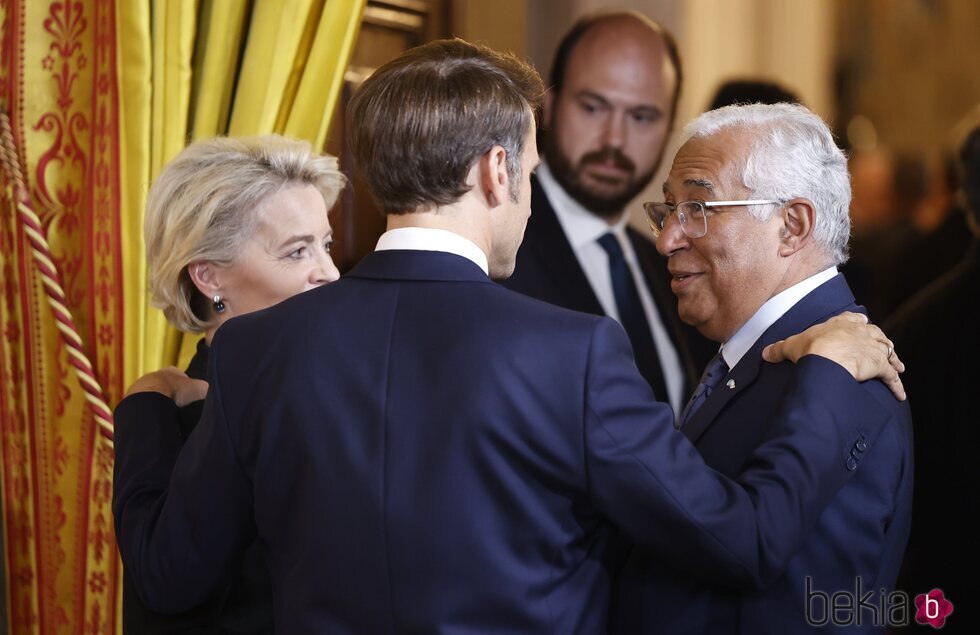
(672, 237)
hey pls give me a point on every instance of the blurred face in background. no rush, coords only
(607, 127)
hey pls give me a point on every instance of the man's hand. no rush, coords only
(850, 341)
(171, 382)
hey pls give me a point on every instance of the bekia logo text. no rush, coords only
(860, 606)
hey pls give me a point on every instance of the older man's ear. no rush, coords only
(798, 216)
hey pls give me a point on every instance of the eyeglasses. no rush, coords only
(690, 214)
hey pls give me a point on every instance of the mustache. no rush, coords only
(609, 155)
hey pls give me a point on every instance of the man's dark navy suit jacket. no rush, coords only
(422, 450)
(861, 533)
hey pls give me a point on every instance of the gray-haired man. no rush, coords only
(754, 224)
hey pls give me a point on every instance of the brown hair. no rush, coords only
(417, 125)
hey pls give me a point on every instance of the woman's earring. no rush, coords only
(219, 305)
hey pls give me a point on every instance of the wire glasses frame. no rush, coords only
(691, 215)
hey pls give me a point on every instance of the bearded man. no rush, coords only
(606, 119)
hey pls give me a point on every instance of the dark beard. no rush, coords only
(567, 175)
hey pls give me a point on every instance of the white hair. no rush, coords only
(792, 155)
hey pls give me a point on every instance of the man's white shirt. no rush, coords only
(428, 239)
(775, 307)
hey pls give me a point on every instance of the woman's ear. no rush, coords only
(205, 277)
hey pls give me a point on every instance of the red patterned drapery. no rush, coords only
(99, 94)
(59, 85)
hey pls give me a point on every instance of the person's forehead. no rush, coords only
(616, 50)
(708, 163)
(295, 203)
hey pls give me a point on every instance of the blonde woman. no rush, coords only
(232, 226)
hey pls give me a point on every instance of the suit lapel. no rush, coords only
(553, 254)
(827, 300)
(737, 380)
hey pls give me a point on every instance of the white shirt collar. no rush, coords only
(581, 226)
(776, 307)
(427, 239)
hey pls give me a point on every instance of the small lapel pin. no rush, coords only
(731, 384)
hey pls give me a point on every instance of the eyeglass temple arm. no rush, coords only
(735, 203)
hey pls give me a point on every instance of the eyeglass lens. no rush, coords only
(690, 215)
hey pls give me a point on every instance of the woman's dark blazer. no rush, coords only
(243, 607)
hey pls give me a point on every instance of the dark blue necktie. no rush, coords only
(714, 373)
(633, 318)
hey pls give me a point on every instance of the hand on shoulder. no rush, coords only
(172, 383)
(847, 339)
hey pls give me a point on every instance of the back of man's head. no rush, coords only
(417, 125)
(792, 154)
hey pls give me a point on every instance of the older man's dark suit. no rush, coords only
(547, 269)
(862, 532)
(420, 450)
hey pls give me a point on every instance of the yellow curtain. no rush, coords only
(286, 80)
(101, 94)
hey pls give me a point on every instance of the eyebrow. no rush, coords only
(704, 184)
(591, 95)
(651, 109)
(306, 238)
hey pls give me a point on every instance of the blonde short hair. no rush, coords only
(203, 207)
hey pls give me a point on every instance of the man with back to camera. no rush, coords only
(422, 450)
(754, 225)
(615, 80)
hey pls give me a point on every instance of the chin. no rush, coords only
(686, 315)
(700, 322)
